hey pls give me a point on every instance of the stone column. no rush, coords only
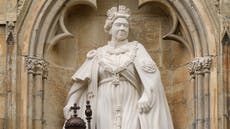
(10, 75)
(207, 61)
(37, 73)
(199, 70)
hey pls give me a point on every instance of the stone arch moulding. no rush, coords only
(185, 13)
(53, 9)
(51, 39)
(194, 40)
(172, 34)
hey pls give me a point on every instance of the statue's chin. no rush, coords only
(120, 39)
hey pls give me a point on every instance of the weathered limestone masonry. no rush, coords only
(8, 46)
(43, 42)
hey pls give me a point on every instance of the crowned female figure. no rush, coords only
(122, 82)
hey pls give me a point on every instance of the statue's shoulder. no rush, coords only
(135, 43)
(95, 52)
(138, 45)
(91, 54)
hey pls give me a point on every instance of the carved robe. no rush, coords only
(114, 81)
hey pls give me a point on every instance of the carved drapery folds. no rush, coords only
(200, 65)
(36, 66)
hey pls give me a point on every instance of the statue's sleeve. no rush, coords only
(159, 116)
(83, 75)
(84, 72)
(147, 69)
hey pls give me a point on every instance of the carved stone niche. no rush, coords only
(80, 27)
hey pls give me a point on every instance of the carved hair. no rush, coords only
(114, 13)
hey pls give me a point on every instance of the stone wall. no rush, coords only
(2, 75)
(224, 54)
(2, 10)
(226, 77)
(67, 55)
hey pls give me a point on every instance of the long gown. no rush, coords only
(118, 100)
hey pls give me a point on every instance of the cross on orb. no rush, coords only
(75, 108)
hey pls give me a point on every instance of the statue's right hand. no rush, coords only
(67, 112)
(145, 103)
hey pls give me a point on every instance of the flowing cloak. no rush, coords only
(158, 117)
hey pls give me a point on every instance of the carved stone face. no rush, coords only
(120, 29)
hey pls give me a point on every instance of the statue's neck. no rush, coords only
(115, 43)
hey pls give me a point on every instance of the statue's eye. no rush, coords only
(121, 24)
(117, 24)
(126, 25)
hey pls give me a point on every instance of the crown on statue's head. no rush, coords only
(122, 11)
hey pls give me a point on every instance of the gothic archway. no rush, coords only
(188, 28)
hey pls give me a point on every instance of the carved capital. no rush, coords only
(36, 66)
(200, 65)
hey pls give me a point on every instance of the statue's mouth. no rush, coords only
(121, 32)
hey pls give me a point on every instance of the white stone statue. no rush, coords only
(121, 81)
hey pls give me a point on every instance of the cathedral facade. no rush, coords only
(43, 42)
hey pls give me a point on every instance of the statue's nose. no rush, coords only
(122, 27)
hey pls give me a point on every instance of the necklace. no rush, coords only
(132, 54)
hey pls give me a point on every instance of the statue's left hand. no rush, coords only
(67, 113)
(145, 103)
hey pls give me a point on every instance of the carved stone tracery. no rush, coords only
(36, 66)
(20, 5)
(10, 36)
(226, 25)
(216, 3)
(200, 65)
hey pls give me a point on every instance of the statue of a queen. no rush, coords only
(122, 82)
